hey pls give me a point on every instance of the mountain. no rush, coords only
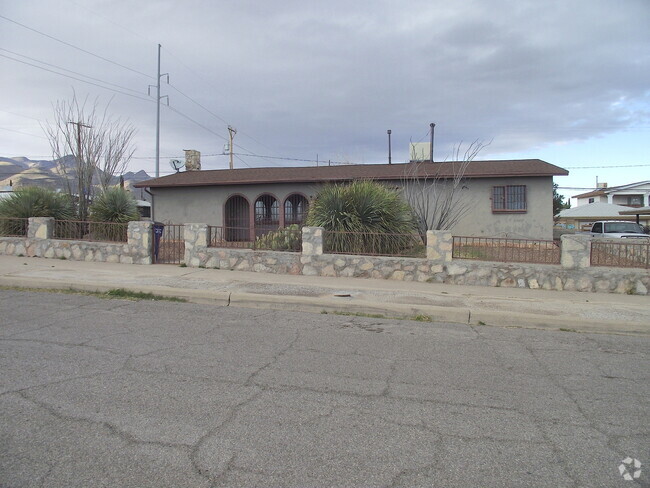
(21, 171)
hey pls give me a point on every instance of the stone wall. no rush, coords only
(39, 243)
(575, 275)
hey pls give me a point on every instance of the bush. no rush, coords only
(372, 213)
(114, 205)
(287, 239)
(34, 201)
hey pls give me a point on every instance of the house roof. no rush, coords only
(636, 211)
(611, 189)
(322, 174)
(592, 210)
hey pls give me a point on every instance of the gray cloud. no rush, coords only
(305, 78)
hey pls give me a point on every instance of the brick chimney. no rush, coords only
(192, 160)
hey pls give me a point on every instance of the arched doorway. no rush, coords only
(295, 209)
(237, 219)
(267, 214)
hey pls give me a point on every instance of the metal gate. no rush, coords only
(168, 244)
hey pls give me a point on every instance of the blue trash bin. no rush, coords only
(158, 229)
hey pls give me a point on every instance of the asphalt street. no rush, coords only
(117, 393)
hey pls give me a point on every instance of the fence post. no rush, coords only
(40, 228)
(439, 246)
(195, 236)
(575, 251)
(139, 238)
(312, 241)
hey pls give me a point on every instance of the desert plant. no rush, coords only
(34, 201)
(287, 239)
(114, 205)
(363, 216)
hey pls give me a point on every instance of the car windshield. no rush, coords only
(623, 227)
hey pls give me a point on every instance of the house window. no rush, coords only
(592, 200)
(295, 209)
(635, 200)
(511, 198)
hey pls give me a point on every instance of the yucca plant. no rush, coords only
(113, 205)
(34, 201)
(370, 211)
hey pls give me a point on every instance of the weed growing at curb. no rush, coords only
(563, 329)
(116, 293)
(415, 318)
(480, 322)
(182, 265)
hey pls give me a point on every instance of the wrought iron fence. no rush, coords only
(623, 254)
(374, 244)
(13, 227)
(286, 239)
(506, 250)
(90, 231)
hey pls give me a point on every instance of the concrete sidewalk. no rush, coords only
(509, 307)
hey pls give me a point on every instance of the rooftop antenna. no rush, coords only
(433, 127)
(389, 150)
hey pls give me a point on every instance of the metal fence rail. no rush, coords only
(90, 231)
(624, 254)
(287, 239)
(506, 250)
(374, 244)
(13, 227)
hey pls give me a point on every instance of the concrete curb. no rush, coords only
(349, 305)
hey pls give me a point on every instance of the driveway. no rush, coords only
(113, 393)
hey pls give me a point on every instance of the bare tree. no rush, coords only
(100, 146)
(439, 201)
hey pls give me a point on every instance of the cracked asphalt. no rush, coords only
(117, 393)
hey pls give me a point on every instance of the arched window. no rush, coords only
(237, 219)
(295, 209)
(267, 214)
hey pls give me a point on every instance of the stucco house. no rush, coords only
(510, 198)
(631, 195)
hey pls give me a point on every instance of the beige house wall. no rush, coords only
(206, 204)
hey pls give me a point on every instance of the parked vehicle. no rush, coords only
(618, 229)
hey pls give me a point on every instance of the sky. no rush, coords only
(566, 81)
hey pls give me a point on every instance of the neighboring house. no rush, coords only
(582, 217)
(511, 198)
(6, 191)
(632, 195)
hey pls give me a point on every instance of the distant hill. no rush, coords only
(21, 171)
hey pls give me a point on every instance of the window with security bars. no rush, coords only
(511, 198)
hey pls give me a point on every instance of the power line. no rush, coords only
(609, 167)
(21, 132)
(78, 79)
(75, 47)
(69, 71)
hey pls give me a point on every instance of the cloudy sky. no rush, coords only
(566, 81)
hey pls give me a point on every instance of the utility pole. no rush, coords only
(389, 150)
(82, 171)
(433, 127)
(232, 131)
(158, 98)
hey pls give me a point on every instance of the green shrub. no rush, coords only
(363, 217)
(287, 239)
(114, 205)
(34, 201)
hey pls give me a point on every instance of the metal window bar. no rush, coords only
(84, 230)
(620, 254)
(267, 215)
(506, 250)
(374, 244)
(295, 209)
(13, 227)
